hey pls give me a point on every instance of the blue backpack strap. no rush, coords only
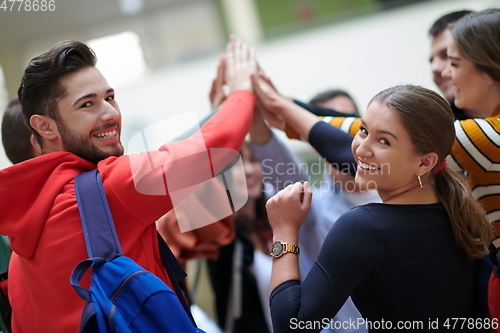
(100, 237)
(176, 274)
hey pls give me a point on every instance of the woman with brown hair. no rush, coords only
(474, 69)
(407, 262)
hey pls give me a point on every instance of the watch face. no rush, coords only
(276, 249)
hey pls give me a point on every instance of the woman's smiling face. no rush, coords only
(384, 152)
(472, 86)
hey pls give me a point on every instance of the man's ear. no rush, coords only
(45, 126)
(37, 150)
(427, 162)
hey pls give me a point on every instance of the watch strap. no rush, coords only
(291, 248)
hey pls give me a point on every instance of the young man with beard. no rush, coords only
(77, 123)
(440, 37)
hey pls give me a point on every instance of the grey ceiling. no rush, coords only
(18, 26)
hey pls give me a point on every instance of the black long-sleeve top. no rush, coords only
(399, 263)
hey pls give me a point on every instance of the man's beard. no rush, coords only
(83, 148)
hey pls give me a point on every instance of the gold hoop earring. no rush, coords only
(420, 182)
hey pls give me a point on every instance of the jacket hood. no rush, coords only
(27, 193)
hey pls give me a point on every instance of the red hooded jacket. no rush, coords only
(40, 214)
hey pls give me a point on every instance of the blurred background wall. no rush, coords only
(160, 55)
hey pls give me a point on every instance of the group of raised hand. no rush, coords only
(238, 69)
(233, 71)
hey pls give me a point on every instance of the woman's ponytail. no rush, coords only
(470, 225)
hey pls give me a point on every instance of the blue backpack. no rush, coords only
(123, 296)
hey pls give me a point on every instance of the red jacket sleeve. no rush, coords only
(145, 184)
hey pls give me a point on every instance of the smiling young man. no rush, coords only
(77, 122)
(440, 36)
(86, 124)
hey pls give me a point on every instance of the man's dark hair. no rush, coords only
(442, 23)
(41, 87)
(331, 94)
(16, 134)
